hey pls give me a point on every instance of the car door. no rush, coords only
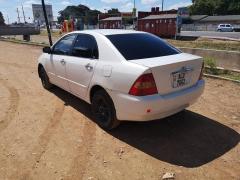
(80, 67)
(228, 28)
(222, 27)
(60, 52)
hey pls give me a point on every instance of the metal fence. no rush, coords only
(8, 30)
(203, 27)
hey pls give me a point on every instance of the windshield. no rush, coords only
(141, 46)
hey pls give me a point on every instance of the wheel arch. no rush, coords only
(94, 89)
(39, 67)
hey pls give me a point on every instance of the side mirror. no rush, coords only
(47, 50)
(82, 52)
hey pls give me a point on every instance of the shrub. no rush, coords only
(212, 64)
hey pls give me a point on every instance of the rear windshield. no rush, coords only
(141, 45)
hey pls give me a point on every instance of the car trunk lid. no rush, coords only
(175, 72)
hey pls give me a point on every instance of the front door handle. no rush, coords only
(63, 62)
(89, 67)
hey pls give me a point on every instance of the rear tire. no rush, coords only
(104, 111)
(44, 78)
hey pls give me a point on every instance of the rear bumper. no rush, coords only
(132, 108)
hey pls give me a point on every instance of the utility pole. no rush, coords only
(47, 23)
(8, 19)
(18, 16)
(134, 14)
(23, 15)
(162, 4)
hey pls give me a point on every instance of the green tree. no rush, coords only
(202, 7)
(234, 7)
(81, 11)
(2, 21)
(113, 11)
(215, 7)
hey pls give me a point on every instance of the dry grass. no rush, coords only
(53, 33)
(207, 44)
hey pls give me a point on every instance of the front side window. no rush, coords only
(63, 47)
(141, 46)
(85, 46)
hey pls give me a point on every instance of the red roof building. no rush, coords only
(111, 23)
(160, 23)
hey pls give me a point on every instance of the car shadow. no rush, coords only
(191, 141)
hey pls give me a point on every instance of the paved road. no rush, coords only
(223, 35)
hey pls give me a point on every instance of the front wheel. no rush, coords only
(104, 111)
(44, 78)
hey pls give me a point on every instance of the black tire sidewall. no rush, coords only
(44, 78)
(112, 121)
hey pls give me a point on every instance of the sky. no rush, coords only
(9, 7)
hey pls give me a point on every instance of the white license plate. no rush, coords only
(179, 79)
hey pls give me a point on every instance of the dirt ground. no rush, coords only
(51, 135)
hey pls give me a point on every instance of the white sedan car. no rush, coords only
(225, 28)
(124, 75)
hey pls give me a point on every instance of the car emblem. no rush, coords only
(186, 69)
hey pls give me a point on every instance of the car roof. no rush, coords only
(106, 32)
(224, 24)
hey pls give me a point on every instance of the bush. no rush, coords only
(212, 64)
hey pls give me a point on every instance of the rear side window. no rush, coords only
(85, 46)
(63, 47)
(141, 45)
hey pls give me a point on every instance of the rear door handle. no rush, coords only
(89, 67)
(63, 62)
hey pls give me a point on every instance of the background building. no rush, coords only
(160, 23)
(121, 20)
(111, 23)
(38, 15)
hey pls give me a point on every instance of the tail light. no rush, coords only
(144, 85)
(201, 74)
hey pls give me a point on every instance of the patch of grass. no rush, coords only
(230, 75)
(53, 33)
(24, 42)
(207, 44)
(211, 68)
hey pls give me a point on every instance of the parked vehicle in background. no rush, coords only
(123, 74)
(225, 28)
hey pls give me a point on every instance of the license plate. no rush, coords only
(179, 79)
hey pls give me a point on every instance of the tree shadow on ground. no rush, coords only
(191, 141)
